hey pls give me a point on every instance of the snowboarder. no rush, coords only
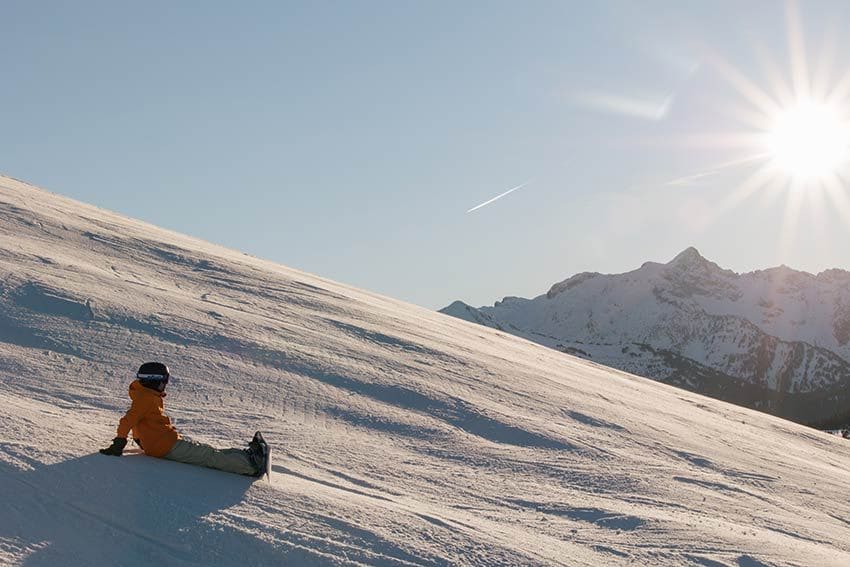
(157, 437)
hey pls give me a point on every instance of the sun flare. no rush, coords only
(792, 135)
(809, 140)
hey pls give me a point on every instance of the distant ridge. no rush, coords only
(777, 340)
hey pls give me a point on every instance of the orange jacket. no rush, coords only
(148, 421)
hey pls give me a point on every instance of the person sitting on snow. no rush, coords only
(154, 433)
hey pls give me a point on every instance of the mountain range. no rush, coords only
(776, 340)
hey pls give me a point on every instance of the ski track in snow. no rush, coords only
(401, 436)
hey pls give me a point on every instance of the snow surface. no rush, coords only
(402, 436)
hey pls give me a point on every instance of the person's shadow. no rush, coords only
(134, 510)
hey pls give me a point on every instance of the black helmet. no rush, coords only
(153, 375)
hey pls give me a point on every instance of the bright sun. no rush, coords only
(793, 140)
(809, 140)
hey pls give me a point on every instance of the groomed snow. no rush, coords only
(403, 436)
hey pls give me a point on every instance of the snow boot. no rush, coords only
(260, 455)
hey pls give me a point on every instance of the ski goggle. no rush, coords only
(160, 377)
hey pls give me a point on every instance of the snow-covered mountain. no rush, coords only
(403, 437)
(776, 340)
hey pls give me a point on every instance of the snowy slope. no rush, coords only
(777, 340)
(403, 436)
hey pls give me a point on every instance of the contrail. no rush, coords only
(485, 203)
(717, 169)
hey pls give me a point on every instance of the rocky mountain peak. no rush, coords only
(700, 275)
(689, 258)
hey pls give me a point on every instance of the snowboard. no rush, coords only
(267, 455)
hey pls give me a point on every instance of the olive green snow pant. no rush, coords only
(193, 453)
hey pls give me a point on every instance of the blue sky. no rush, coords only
(349, 139)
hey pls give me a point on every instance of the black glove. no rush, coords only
(116, 448)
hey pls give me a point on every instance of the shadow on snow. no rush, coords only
(136, 510)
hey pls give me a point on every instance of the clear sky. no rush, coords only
(354, 139)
